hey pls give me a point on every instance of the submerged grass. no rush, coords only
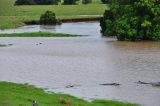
(12, 94)
(13, 16)
(2, 45)
(37, 34)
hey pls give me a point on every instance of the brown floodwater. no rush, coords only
(84, 62)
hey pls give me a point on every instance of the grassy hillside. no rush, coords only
(12, 94)
(13, 16)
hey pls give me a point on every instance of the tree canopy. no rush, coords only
(133, 20)
(49, 18)
(70, 2)
(34, 2)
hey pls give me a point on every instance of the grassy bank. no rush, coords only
(12, 94)
(37, 34)
(13, 16)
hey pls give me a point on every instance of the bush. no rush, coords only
(47, 2)
(22, 2)
(49, 18)
(122, 1)
(34, 2)
(105, 1)
(135, 20)
(70, 2)
(86, 1)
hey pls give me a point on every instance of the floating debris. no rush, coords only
(141, 82)
(39, 43)
(156, 84)
(69, 86)
(112, 84)
(5, 45)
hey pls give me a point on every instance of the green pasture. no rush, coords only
(14, 16)
(12, 94)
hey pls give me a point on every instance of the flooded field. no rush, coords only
(81, 65)
(79, 28)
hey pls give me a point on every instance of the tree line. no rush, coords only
(49, 2)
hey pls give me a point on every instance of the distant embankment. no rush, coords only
(35, 22)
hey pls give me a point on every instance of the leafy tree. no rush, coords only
(46, 2)
(136, 20)
(23, 2)
(48, 18)
(33, 2)
(70, 2)
(105, 1)
(86, 1)
(122, 1)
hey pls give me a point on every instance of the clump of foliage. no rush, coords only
(34, 2)
(47, 2)
(132, 20)
(49, 18)
(70, 2)
(104, 1)
(86, 1)
(23, 2)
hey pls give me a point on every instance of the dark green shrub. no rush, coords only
(122, 1)
(49, 18)
(24, 2)
(136, 20)
(47, 2)
(70, 2)
(34, 2)
(105, 1)
(86, 1)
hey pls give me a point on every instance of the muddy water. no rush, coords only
(85, 62)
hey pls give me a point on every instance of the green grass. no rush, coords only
(38, 34)
(12, 94)
(13, 16)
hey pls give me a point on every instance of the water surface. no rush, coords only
(84, 62)
(80, 28)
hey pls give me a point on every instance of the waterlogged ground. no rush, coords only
(80, 28)
(84, 62)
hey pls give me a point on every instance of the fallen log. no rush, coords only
(157, 84)
(112, 84)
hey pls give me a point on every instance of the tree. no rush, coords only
(122, 1)
(105, 1)
(86, 1)
(70, 2)
(34, 2)
(46, 2)
(23, 2)
(135, 20)
(48, 18)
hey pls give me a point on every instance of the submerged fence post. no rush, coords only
(35, 103)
